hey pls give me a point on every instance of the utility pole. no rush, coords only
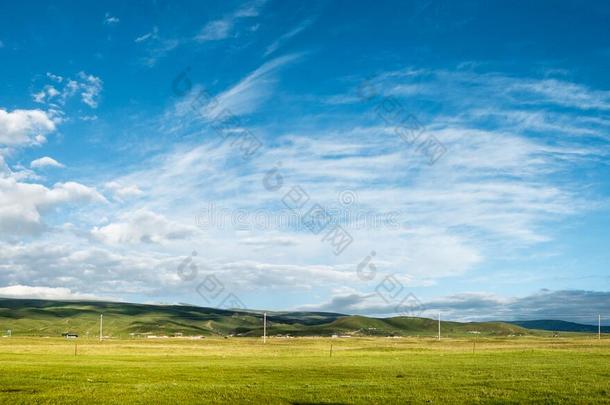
(101, 327)
(265, 327)
(439, 326)
(599, 326)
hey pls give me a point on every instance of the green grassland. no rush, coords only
(390, 360)
(302, 370)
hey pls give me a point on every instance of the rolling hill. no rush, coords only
(560, 326)
(26, 317)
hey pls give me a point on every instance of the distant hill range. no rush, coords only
(26, 317)
(560, 326)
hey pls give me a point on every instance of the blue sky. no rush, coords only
(466, 145)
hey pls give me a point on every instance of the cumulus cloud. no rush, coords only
(142, 226)
(62, 89)
(88, 269)
(91, 88)
(146, 269)
(45, 162)
(22, 205)
(18, 172)
(22, 127)
(122, 192)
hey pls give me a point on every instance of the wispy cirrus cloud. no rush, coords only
(158, 46)
(223, 28)
(278, 43)
(215, 30)
(252, 91)
(496, 88)
(154, 34)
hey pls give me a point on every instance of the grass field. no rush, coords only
(361, 370)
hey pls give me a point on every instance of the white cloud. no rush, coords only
(47, 93)
(88, 86)
(250, 9)
(5, 171)
(215, 30)
(448, 205)
(467, 89)
(91, 87)
(45, 293)
(495, 188)
(270, 241)
(142, 226)
(158, 48)
(122, 192)
(22, 205)
(222, 28)
(154, 34)
(18, 172)
(19, 127)
(110, 20)
(250, 92)
(563, 93)
(71, 263)
(45, 162)
(249, 275)
(275, 45)
(55, 78)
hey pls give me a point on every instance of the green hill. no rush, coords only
(52, 318)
